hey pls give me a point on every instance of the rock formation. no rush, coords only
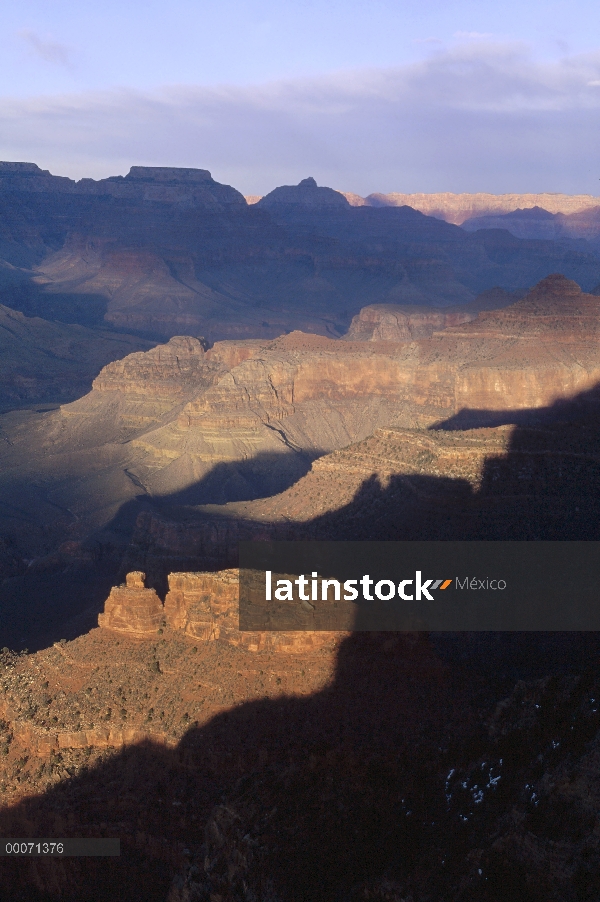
(205, 607)
(181, 425)
(225, 759)
(457, 208)
(159, 184)
(394, 322)
(164, 252)
(132, 608)
(305, 194)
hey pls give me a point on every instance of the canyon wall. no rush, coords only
(164, 252)
(394, 322)
(457, 208)
(181, 425)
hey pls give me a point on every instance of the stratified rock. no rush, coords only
(457, 208)
(305, 194)
(205, 607)
(243, 420)
(394, 322)
(202, 604)
(132, 608)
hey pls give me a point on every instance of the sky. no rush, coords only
(363, 95)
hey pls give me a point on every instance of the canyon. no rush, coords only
(180, 451)
(182, 370)
(163, 251)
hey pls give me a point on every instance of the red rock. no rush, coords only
(132, 608)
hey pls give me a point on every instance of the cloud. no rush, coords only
(477, 118)
(48, 50)
(473, 35)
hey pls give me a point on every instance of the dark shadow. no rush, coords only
(580, 411)
(295, 799)
(61, 594)
(85, 309)
(261, 476)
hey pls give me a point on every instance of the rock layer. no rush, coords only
(394, 322)
(132, 608)
(457, 208)
(185, 425)
(165, 252)
(205, 607)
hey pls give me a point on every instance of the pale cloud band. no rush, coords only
(484, 117)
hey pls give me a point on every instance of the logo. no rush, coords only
(306, 589)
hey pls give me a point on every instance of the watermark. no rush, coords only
(445, 586)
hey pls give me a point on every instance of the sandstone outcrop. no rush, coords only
(132, 608)
(205, 607)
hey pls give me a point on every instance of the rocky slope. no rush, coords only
(53, 362)
(226, 772)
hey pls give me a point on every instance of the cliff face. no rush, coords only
(393, 322)
(205, 607)
(125, 469)
(185, 425)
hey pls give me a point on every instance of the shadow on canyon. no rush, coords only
(339, 794)
(546, 486)
(60, 597)
(31, 299)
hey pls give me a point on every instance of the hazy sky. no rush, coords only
(384, 95)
